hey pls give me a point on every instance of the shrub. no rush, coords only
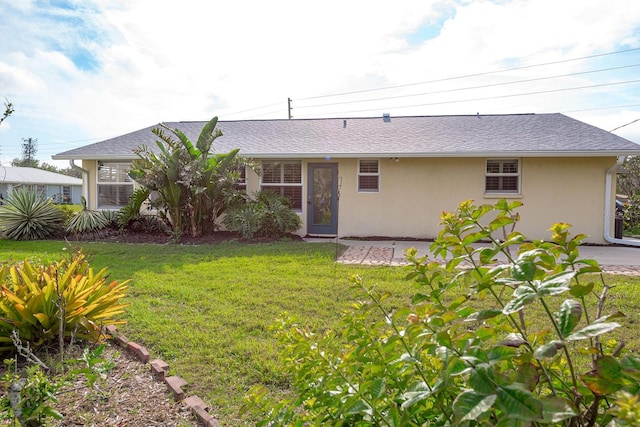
(472, 358)
(35, 298)
(27, 216)
(267, 215)
(131, 211)
(112, 218)
(67, 212)
(27, 399)
(86, 221)
(631, 214)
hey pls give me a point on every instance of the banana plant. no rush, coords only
(192, 184)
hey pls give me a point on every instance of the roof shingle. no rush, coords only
(409, 136)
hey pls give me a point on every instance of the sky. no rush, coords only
(81, 71)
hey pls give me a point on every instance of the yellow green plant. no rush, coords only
(34, 298)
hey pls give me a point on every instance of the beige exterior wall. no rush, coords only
(91, 187)
(414, 192)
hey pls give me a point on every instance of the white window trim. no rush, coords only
(503, 193)
(286, 184)
(110, 183)
(358, 175)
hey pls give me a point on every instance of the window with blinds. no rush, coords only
(502, 176)
(368, 176)
(283, 177)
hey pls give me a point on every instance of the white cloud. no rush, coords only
(114, 67)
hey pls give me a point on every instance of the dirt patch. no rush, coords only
(127, 395)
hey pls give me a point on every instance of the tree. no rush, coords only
(190, 186)
(64, 171)
(629, 185)
(629, 182)
(8, 110)
(29, 150)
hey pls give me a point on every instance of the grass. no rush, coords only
(207, 310)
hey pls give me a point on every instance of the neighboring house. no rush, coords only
(56, 186)
(393, 176)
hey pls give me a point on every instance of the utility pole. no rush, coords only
(289, 107)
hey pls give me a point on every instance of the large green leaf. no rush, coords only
(482, 380)
(522, 296)
(593, 330)
(519, 402)
(555, 284)
(609, 368)
(557, 409)
(569, 316)
(377, 388)
(417, 393)
(598, 384)
(577, 290)
(547, 350)
(469, 405)
(631, 367)
(358, 406)
(207, 135)
(524, 270)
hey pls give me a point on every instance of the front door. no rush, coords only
(322, 198)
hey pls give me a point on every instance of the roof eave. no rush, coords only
(502, 153)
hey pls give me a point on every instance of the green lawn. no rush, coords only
(206, 310)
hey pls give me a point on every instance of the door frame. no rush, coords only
(322, 229)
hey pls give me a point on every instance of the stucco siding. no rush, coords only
(570, 190)
(90, 187)
(414, 192)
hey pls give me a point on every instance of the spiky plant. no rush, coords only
(28, 216)
(131, 211)
(86, 220)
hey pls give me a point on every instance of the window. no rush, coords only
(40, 190)
(241, 185)
(284, 178)
(502, 176)
(368, 176)
(114, 185)
(66, 194)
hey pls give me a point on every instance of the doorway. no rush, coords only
(322, 198)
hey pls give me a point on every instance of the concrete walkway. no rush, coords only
(612, 259)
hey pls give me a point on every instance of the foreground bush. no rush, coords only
(28, 216)
(62, 299)
(522, 346)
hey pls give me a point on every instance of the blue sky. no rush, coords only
(81, 71)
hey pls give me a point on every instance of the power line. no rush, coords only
(603, 108)
(471, 75)
(472, 87)
(253, 109)
(493, 97)
(626, 124)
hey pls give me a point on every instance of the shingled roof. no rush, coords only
(524, 135)
(33, 176)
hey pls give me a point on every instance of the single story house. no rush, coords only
(56, 186)
(393, 176)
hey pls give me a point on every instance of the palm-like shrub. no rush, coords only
(267, 215)
(36, 298)
(192, 183)
(28, 216)
(86, 221)
(131, 211)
